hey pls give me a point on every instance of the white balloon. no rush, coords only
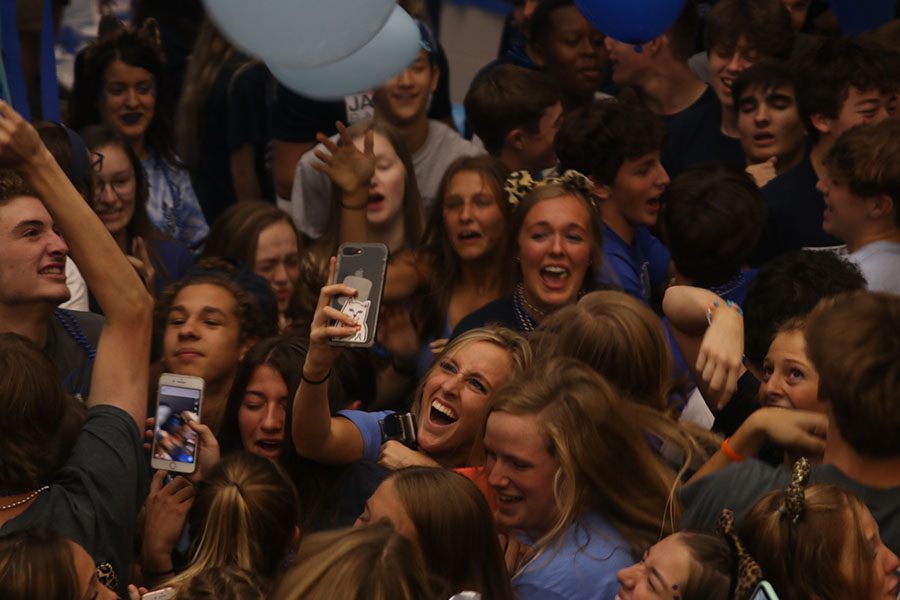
(391, 51)
(299, 33)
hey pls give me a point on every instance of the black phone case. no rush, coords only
(367, 262)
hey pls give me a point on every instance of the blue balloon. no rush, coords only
(299, 33)
(391, 51)
(631, 21)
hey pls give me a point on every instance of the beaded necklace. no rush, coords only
(522, 309)
(26, 499)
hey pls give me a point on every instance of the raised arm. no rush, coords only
(316, 434)
(350, 170)
(709, 332)
(123, 355)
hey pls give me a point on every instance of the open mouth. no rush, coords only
(468, 236)
(53, 270)
(269, 446)
(441, 414)
(131, 118)
(555, 277)
(375, 200)
(763, 138)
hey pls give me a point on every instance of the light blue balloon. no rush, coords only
(391, 51)
(299, 33)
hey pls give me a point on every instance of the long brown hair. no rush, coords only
(444, 265)
(455, 530)
(599, 438)
(244, 515)
(803, 561)
(373, 562)
(37, 564)
(211, 53)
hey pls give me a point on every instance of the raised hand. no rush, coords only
(19, 142)
(349, 169)
(327, 323)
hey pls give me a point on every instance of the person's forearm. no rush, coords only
(311, 418)
(746, 442)
(354, 225)
(685, 307)
(108, 274)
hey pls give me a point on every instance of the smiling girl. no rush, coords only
(120, 198)
(120, 83)
(555, 239)
(452, 399)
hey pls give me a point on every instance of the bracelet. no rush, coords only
(350, 207)
(729, 452)
(315, 382)
(158, 573)
(715, 305)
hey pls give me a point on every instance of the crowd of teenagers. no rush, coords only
(639, 335)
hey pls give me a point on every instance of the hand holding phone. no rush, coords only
(361, 267)
(175, 443)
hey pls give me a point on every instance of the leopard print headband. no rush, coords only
(749, 573)
(794, 495)
(519, 183)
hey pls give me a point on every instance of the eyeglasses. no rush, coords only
(120, 185)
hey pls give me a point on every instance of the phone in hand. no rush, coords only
(362, 267)
(178, 402)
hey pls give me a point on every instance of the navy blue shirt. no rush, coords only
(795, 214)
(695, 137)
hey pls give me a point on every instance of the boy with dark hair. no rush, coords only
(712, 218)
(516, 112)
(617, 146)
(841, 83)
(769, 124)
(738, 34)
(861, 186)
(658, 69)
(852, 341)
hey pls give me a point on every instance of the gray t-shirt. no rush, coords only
(880, 264)
(740, 486)
(311, 195)
(94, 499)
(72, 338)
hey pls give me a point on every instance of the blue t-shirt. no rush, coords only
(638, 268)
(369, 425)
(582, 567)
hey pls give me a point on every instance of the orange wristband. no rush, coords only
(729, 452)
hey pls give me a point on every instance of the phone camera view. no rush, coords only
(174, 439)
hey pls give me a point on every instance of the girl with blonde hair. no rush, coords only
(244, 514)
(575, 471)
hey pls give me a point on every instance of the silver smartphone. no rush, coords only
(179, 400)
(362, 267)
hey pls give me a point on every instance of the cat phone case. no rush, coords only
(362, 267)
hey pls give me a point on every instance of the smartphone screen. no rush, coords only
(174, 440)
